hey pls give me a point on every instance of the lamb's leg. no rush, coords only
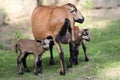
(84, 49)
(24, 63)
(40, 65)
(75, 57)
(36, 65)
(71, 49)
(51, 62)
(19, 63)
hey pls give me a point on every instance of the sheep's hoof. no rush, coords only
(36, 73)
(69, 65)
(20, 73)
(40, 71)
(27, 70)
(86, 60)
(62, 73)
(51, 62)
(76, 63)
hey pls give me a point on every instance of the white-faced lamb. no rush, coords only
(28, 46)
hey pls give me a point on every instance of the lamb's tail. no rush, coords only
(16, 48)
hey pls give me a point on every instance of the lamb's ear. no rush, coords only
(38, 41)
(86, 29)
(86, 34)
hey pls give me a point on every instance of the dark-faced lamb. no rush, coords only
(80, 36)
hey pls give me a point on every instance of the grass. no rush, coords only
(88, 4)
(103, 51)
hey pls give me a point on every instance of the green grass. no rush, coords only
(103, 51)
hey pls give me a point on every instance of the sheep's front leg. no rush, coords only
(84, 49)
(61, 54)
(36, 65)
(40, 65)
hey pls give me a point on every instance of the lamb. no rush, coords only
(80, 36)
(28, 46)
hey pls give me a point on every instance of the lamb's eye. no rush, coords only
(85, 33)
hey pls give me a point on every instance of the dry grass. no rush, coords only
(103, 51)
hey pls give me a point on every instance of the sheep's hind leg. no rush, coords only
(19, 63)
(24, 63)
(61, 55)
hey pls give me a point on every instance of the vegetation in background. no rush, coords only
(103, 51)
(2, 45)
(5, 12)
(88, 4)
(17, 35)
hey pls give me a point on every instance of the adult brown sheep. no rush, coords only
(54, 21)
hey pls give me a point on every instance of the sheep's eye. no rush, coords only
(44, 43)
(73, 11)
(85, 33)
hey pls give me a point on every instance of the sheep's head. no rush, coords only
(86, 34)
(46, 43)
(77, 16)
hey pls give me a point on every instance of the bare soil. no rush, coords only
(97, 16)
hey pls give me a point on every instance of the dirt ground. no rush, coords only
(100, 16)
(23, 25)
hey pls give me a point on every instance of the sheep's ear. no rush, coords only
(71, 7)
(86, 29)
(39, 41)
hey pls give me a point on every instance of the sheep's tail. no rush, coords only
(16, 48)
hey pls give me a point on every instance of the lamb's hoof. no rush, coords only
(36, 73)
(27, 70)
(69, 66)
(40, 71)
(62, 73)
(76, 63)
(20, 73)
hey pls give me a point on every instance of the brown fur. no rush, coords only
(79, 38)
(27, 46)
(30, 46)
(49, 20)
